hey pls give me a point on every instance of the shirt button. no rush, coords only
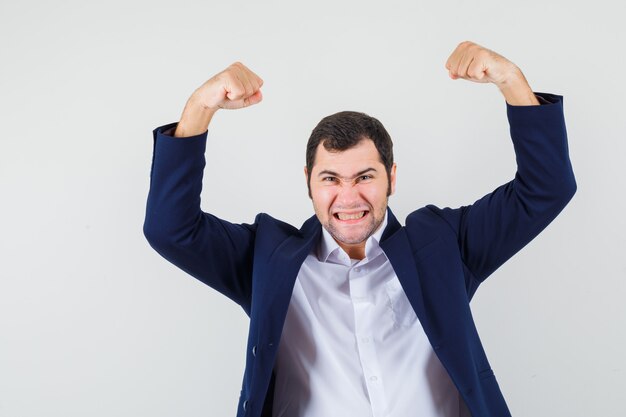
(373, 378)
(365, 339)
(357, 269)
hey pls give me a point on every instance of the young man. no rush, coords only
(354, 314)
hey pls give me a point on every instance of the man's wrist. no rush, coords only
(517, 92)
(195, 119)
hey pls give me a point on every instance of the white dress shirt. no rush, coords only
(353, 346)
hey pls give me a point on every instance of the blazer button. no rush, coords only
(254, 350)
(245, 405)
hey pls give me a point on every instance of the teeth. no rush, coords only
(354, 216)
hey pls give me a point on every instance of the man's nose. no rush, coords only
(348, 194)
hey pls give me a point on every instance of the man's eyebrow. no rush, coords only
(334, 174)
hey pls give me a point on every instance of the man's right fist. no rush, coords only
(233, 88)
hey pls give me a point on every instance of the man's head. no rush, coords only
(350, 175)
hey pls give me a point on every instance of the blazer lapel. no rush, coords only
(395, 244)
(284, 265)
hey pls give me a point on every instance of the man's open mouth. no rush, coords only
(351, 216)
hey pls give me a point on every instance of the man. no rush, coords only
(354, 314)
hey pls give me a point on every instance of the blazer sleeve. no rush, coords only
(214, 251)
(498, 225)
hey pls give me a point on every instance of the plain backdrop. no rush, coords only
(93, 322)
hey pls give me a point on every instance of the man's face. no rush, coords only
(349, 192)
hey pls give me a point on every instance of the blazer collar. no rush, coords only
(393, 225)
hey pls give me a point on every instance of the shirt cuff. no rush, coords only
(547, 98)
(169, 129)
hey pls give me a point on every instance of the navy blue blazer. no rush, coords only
(440, 256)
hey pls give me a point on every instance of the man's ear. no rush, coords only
(306, 179)
(393, 178)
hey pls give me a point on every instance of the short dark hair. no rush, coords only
(344, 130)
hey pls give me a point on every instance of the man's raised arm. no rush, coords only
(212, 250)
(496, 226)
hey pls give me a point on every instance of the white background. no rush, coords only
(94, 323)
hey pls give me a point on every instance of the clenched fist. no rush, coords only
(473, 62)
(235, 87)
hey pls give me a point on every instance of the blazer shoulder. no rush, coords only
(435, 220)
(269, 223)
(271, 231)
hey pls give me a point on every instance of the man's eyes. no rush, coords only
(360, 178)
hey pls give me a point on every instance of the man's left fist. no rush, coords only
(472, 62)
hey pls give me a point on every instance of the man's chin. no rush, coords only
(350, 237)
(349, 241)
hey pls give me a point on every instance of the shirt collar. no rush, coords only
(329, 248)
